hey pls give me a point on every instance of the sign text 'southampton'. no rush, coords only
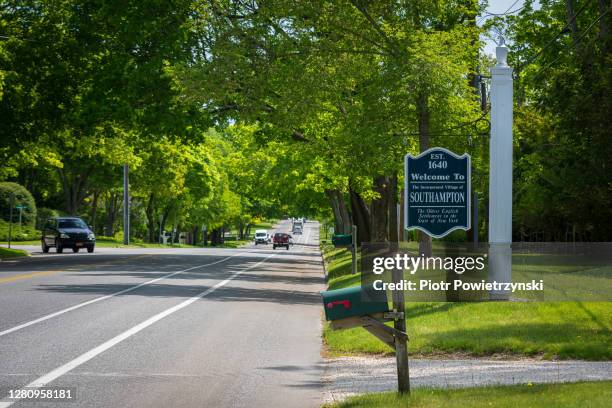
(437, 191)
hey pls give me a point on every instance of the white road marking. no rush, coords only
(303, 239)
(83, 358)
(307, 235)
(99, 299)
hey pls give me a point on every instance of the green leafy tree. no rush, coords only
(18, 196)
(563, 178)
(349, 86)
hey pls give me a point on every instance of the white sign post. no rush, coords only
(500, 177)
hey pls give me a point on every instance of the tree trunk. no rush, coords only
(394, 233)
(111, 213)
(151, 221)
(361, 216)
(342, 218)
(379, 211)
(80, 189)
(165, 215)
(347, 222)
(194, 236)
(65, 187)
(215, 238)
(94, 210)
(470, 7)
(571, 20)
(333, 201)
(74, 187)
(603, 25)
(423, 115)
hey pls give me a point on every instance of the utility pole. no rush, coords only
(126, 205)
(400, 339)
(399, 323)
(500, 178)
(10, 232)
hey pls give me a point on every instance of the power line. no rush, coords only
(507, 10)
(513, 4)
(505, 13)
(574, 44)
(548, 66)
(473, 122)
(487, 14)
(563, 31)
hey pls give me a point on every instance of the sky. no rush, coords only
(500, 6)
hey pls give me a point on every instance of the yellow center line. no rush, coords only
(51, 272)
(27, 276)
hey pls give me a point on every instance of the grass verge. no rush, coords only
(6, 253)
(563, 330)
(586, 394)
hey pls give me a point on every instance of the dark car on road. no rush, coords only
(67, 232)
(281, 239)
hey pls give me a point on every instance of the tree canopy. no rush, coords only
(230, 111)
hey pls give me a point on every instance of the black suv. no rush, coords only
(67, 232)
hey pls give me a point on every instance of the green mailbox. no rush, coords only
(355, 301)
(342, 240)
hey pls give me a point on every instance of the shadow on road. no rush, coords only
(233, 294)
(274, 281)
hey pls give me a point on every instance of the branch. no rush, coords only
(225, 108)
(380, 32)
(299, 136)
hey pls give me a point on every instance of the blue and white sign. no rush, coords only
(437, 192)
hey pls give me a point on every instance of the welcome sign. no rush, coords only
(437, 192)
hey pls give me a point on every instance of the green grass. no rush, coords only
(338, 267)
(584, 394)
(111, 242)
(564, 330)
(108, 242)
(6, 253)
(561, 330)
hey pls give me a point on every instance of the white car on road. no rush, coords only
(262, 237)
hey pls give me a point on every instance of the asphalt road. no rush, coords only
(166, 328)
